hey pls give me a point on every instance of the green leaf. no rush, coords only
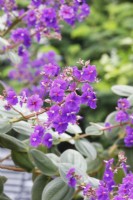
(122, 90)
(75, 158)
(24, 162)
(130, 99)
(38, 186)
(3, 179)
(12, 143)
(5, 126)
(54, 158)
(93, 165)
(115, 131)
(23, 128)
(86, 148)
(45, 164)
(57, 190)
(4, 197)
(93, 130)
(73, 129)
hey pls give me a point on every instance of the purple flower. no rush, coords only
(47, 140)
(39, 130)
(108, 177)
(11, 97)
(34, 103)
(68, 115)
(123, 104)
(70, 177)
(102, 192)
(35, 139)
(53, 112)
(36, 2)
(76, 73)
(90, 99)
(21, 35)
(129, 136)
(60, 125)
(31, 18)
(84, 11)
(89, 73)
(72, 182)
(66, 12)
(56, 94)
(60, 83)
(126, 188)
(73, 101)
(108, 125)
(121, 116)
(49, 17)
(51, 69)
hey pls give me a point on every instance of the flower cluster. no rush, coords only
(64, 92)
(107, 188)
(124, 116)
(41, 19)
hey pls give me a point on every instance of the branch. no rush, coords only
(12, 168)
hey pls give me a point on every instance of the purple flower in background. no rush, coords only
(129, 136)
(34, 103)
(89, 73)
(70, 177)
(49, 17)
(66, 12)
(122, 116)
(51, 69)
(11, 97)
(84, 11)
(35, 139)
(36, 2)
(31, 18)
(21, 35)
(76, 73)
(47, 140)
(123, 104)
(56, 94)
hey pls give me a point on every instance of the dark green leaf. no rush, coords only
(38, 186)
(44, 163)
(86, 148)
(22, 160)
(57, 190)
(12, 143)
